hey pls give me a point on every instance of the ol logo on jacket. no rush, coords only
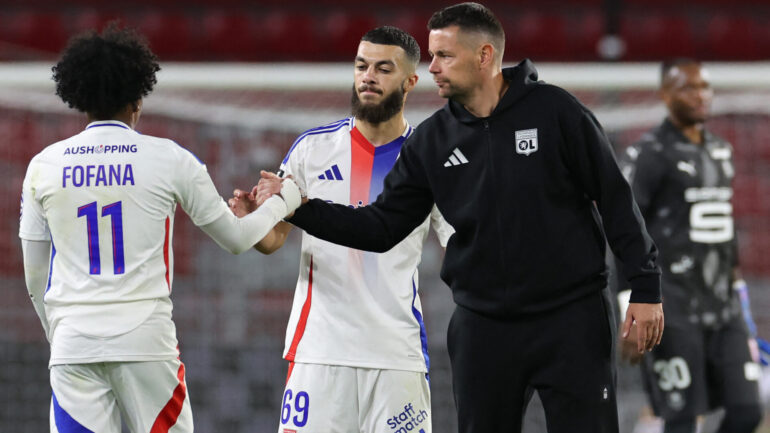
(526, 141)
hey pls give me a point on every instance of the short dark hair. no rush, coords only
(668, 65)
(100, 74)
(389, 35)
(472, 17)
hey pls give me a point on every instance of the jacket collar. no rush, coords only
(674, 134)
(521, 79)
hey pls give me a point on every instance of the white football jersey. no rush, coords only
(105, 198)
(352, 307)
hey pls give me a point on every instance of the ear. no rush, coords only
(135, 111)
(486, 55)
(410, 82)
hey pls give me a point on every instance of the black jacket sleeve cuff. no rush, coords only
(646, 289)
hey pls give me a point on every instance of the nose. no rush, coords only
(433, 66)
(368, 76)
(705, 94)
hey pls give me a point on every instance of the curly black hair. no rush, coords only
(100, 74)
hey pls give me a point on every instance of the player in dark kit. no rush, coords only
(681, 177)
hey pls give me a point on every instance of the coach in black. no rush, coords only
(527, 178)
(681, 175)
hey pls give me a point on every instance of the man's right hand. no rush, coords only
(269, 184)
(242, 203)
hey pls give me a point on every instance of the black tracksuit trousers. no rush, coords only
(566, 355)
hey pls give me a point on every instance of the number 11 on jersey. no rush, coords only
(115, 212)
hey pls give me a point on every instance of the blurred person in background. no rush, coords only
(681, 175)
(522, 171)
(96, 229)
(356, 342)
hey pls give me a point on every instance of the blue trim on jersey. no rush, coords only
(65, 423)
(50, 266)
(329, 125)
(315, 131)
(423, 333)
(107, 124)
(191, 153)
(408, 132)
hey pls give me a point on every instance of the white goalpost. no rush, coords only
(240, 118)
(229, 93)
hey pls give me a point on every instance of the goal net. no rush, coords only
(231, 311)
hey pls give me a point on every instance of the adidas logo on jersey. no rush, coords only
(456, 158)
(331, 174)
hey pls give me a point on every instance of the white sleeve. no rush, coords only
(195, 190)
(237, 235)
(293, 164)
(37, 256)
(443, 229)
(33, 225)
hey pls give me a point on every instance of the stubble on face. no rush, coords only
(457, 73)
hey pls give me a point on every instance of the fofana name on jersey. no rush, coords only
(97, 175)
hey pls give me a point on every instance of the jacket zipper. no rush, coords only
(495, 203)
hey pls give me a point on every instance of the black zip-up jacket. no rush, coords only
(519, 188)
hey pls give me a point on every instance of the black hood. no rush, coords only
(521, 79)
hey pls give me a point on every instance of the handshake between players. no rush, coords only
(244, 202)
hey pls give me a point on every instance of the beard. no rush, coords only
(381, 112)
(687, 115)
(457, 92)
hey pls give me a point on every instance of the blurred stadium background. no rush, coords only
(242, 78)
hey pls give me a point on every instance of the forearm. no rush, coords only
(627, 235)
(237, 235)
(36, 262)
(404, 204)
(593, 162)
(275, 239)
(363, 228)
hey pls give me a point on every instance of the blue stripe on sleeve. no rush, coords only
(50, 266)
(315, 131)
(423, 333)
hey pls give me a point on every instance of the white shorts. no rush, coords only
(335, 399)
(149, 396)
